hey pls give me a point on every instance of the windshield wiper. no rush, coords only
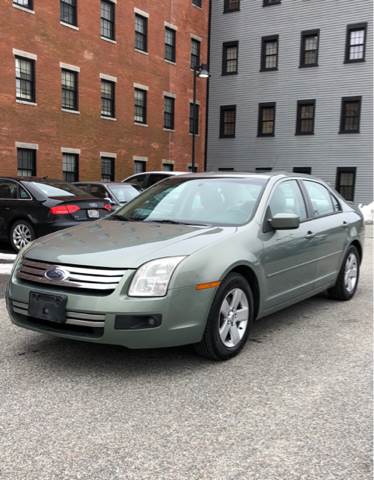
(115, 216)
(176, 222)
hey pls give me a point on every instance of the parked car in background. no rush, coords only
(32, 207)
(117, 194)
(192, 260)
(144, 180)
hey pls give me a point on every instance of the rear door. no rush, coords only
(328, 231)
(15, 203)
(288, 260)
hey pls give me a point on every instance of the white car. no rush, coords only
(144, 180)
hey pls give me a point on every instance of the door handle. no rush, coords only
(310, 235)
(345, 224)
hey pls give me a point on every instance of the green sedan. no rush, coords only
(195, 259)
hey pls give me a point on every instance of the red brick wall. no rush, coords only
(45, 124)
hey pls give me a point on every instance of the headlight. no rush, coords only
(152, 279)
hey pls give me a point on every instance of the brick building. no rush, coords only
(96, 89)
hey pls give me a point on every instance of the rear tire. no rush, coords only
(346, 284)
(21, 234)
(229, 320)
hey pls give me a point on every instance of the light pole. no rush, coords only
(199, 71)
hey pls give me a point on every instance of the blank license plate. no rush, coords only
(48, 307)
(93, 214)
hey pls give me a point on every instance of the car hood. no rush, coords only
(119, 244)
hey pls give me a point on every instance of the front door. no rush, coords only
(288, 257)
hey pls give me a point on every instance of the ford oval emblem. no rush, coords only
(57, 274)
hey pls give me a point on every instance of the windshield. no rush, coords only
(197, 201)
(58, 189)
(124, 193)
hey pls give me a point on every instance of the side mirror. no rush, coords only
(109, 200)
(285, 221)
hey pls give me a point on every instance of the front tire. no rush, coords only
(346, 284)
(21, 234)
(229, 320)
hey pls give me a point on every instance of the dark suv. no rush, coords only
(31, 207)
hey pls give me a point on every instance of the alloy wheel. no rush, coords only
(21, 235)
(350, 273)
(233, 317)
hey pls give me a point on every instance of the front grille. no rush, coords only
(103, 280)
(81, 319)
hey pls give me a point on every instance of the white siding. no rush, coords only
(328, 83)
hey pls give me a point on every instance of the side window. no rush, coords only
(8, 190)
(320, 198)
(98, 191)
(287, 198)
(156, 178)
(23, 195)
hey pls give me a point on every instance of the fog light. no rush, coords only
(137, 322)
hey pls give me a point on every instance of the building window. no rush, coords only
(267, 3)
(107, 169)
(69, 83)
(25, 79)
(227, 121)
(24, 3)
(170, 44)
(140, 106)
(169, 108)
(195, 53)
(141, 33)
(355, 43)
(107, 19)
(231, 6)
(266, 120)
(139, 166)
(70, 167)
(309, 48)
(305, 117)
(68, 11)
(350, 115)
(198, 3)
(108, 90)
(303, 170)
(168, 167)
(26, 162)
(269, 53)
(230, 58)
(194, 118)
(345, 182)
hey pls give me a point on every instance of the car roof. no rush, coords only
(100, 183)
(265, 174)
(34, 179)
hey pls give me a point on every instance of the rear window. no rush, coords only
(124, 192)
(57, 189)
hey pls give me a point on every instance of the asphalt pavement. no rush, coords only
(295, 405)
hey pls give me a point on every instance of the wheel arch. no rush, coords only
(358, 246)
(248, 273)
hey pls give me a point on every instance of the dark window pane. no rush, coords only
(139, 166)
(69, 93)
(107, 169)
(305, 117)
(70, 167)
(107, 19)
(107, 98)
(170, 44)
(68, 11)
(309, 48)
(195, 53)
(141, 32)
(25, 79)
(230, 58)
(26, 160)
(350, 116)
(169, 107)
(228, 121)
(266, 120)
(194, 118)
(140, 106)
(231, 6)
(24, 3)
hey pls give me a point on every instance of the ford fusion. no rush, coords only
(195, 259)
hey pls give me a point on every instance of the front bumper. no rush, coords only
(92, 318)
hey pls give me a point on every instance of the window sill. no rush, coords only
(268, 69)
(224, 137)
(360, 60)
(196, 134)
(66, 110)
(143, 52)
(302, 134)
(109, 40)
(197, 6)
(64, 24)
(25, 102)
(24, 9)
(141, 124)
(259, 135)
(112, 119)
(232, 11)
(342, 132)
(170, 61)
(229, 74)
(170, 130)
(311, 65)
